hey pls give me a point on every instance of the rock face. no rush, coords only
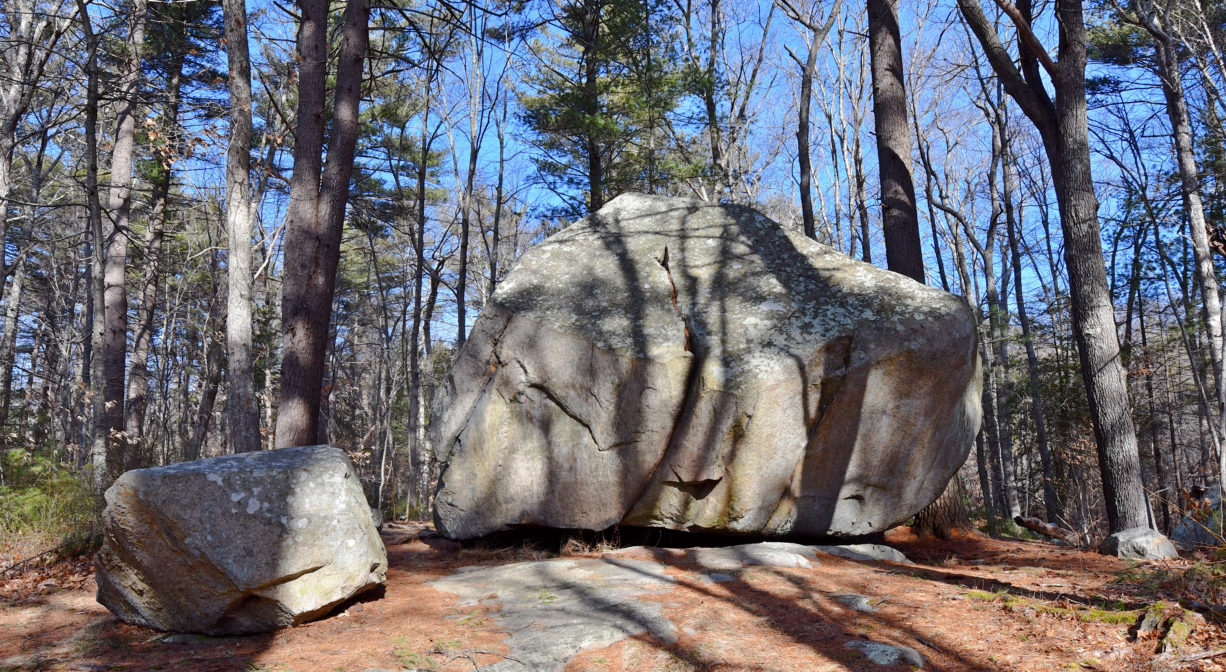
(1203, 526)
(673, 363)
(1140, 543)
(238, 544)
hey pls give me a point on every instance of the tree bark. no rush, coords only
(1166, 59)
(242, 407)
(899, 218)
(316, 213)
(100, 451)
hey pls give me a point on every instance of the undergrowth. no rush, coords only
(43, 505)
(1202, 581)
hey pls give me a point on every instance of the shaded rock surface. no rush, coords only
(679, 364)
(237, 544)
(1201, 526)
(1140, 543)
(887, 654)
(556, 608)
(865, 552)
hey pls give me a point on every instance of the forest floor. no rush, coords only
(971, 603)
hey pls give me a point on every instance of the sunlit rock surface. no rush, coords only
(238, 544)
(680, 364)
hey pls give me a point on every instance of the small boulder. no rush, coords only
(1140, 543)
(238, 544)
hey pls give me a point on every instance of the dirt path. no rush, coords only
(970, 604)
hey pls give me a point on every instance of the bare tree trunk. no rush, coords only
(808, 69)
(215, 354)
(1051, 502)
(899, 218)
(316, 214)
(1166, 59)
(589, 41)
(138, 370)
(8, 338)
(100, 452)
(119, 210)
(1064, 128)
(242, 407)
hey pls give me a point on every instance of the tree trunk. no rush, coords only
(1064, 129)
(590, 40)
(214, 357)
(1166, 59)
(100, 451)
(242, 407)
(1051, 503)
(316, 213)
(138, 370)
(899, 218)
(117, 232)
(808, 68)
(8, 339)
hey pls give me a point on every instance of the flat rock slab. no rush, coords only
(731, 558)
(887, 654)
(556, 608)
(865, 553)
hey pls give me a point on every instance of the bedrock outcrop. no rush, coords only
(680, 364)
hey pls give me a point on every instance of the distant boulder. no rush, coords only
(674, 363)
(1202, 524)
(1139, 543)
(239, 544)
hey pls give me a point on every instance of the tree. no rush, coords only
(117, 228)
(242, 410)
(1155, 20)
(316, 213)
(899, 217)
(601, 100)
(808, 67)
(1062, 124)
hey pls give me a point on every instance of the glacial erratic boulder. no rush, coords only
(238, 544)
(680, 364)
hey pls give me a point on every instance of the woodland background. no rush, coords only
(150, 235)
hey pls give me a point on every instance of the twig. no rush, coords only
(1204, 655)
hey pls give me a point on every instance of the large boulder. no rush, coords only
(680, 364)
(238, 544)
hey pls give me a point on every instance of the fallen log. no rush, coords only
(1047, 529)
